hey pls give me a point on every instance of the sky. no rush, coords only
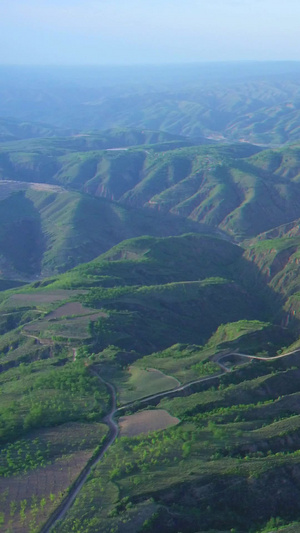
(104, 32)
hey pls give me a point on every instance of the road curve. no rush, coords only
(176, 389)
(258, 357)
(60, 513)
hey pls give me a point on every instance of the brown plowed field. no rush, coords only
(44, 297)
(73, 308)
(145, 421)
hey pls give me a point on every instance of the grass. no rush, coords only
(156, 310)
(148, 316)
(183, 362)
(70, 328)
(48, 394)
(209, 184)
(137, 383)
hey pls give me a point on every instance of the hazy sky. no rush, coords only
(147, 31)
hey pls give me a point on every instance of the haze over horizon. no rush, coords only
(70, 32)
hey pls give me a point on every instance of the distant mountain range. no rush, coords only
(258, 103)
(150, 284)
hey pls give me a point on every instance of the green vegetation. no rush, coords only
(137, 383)
(123, 312)
(184, 362)
(46, 229)
(240, 445)
(257, 103)
(51, 393)
(157, 304)
(224, 185)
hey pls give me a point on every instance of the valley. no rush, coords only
(149, 302)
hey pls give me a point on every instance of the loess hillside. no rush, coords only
(150, 299)
(239, 188)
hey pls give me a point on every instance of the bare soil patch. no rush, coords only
(73, 308)
(49, 483)
(72, 327)
(41, 490)
(146, 421)
(44, 297)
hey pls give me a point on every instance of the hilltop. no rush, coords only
(239, 188)
(47, 229)
(253, 102)
(148, 314)
(150, 299)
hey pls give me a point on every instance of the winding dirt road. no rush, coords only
(61, 511)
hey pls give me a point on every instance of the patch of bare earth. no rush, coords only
(44, 297)
(73, 308)
(146, 421)
(31, 498)
(27, 500)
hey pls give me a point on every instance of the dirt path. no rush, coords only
(43, 342)
(259, 358)
(177, 389)
(270, 358)
(60, 513)
(47, 342)
(31, 336)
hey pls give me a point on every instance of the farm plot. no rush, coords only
(184, 362)
(139, 383)
(146, 421)
(63, 322)
(42, 298)
(71, 309)
(54, 458)
(72, 327)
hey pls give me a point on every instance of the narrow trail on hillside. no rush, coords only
(42, 342)
(63, 508)
(31, 337)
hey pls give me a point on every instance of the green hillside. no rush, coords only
(14, 130)
(148, 315)
(46, 229)
(257, 102)
(149, 290)
(276, 254)
(242, 192)
(150, 299)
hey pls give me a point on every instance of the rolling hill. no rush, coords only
(150, 299)
(257, 102)
(144, 314)
(46, 229)
(239, 188)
